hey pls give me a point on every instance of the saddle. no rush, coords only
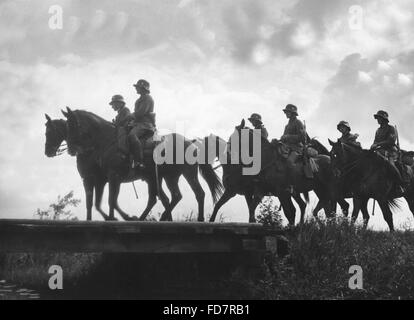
(306, 157)
(149, 141)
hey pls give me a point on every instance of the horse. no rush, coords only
(273, 178)
(367, 175)
(87, 131)
(236, 183)
(90, 172)
(321, 149)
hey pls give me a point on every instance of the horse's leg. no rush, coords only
(99, 189)
(410, 200)
(357, 207)
(166, 204)
(364, 209)
(121, 212)
(192, 179)
(252, 203)
(88, 185)
(152, 200)
(328, 204)
(288, 207)
(344, 206)
(113, 182)
(318, 208)
(226, 196)
(302, 206)
(387, 213)
(176, 196)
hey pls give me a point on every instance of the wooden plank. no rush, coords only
(139, 237)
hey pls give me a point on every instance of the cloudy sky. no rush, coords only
(210, 64)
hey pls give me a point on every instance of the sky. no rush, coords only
(210, 64)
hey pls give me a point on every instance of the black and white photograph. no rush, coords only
(206, 154)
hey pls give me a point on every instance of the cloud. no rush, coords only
(359, 89)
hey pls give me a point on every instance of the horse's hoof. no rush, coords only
(134, 218)
(111, 219)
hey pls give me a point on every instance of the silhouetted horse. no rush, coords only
(236, 183)
(89, 132)
(274, 178)
(90, 172)
(341, 201)
(367, 175)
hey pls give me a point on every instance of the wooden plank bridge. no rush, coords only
(135, 237)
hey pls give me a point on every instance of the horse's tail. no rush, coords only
(394, 204)
(213, 181)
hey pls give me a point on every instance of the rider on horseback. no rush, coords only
(144, 122)
(121, 120)
(256, 120)
(124, 115)
(294, 138)
(347, 137)
(385, 145)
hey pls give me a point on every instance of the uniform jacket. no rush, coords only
(386, 138)
(294, 134)
(122, 118)
(144, 112)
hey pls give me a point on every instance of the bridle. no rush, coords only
(59, 136)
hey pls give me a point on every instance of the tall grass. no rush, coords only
(317, 266)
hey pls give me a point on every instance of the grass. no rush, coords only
(319, 260)
(31, 269)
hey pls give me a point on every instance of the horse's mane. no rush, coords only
(87, 115)
(319, 146)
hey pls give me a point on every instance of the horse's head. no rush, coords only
(279, 148)
(337, 153)
(55, 135)
(343, 153)
(236, 136)
(314, 143)
(78, 133)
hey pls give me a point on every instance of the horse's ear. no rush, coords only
(48, 118)
(69, 110)
(66, 114)
(243, 123)
(331, 142)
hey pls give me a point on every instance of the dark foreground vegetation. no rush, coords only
(316, 267)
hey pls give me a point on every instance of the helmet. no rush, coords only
(381, 114)
(117, 98)
(255, 116)
(291, 108)
(144, 84)
(343, 124)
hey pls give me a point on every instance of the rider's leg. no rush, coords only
(291, 164)
(399, 182)
(135, 145)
